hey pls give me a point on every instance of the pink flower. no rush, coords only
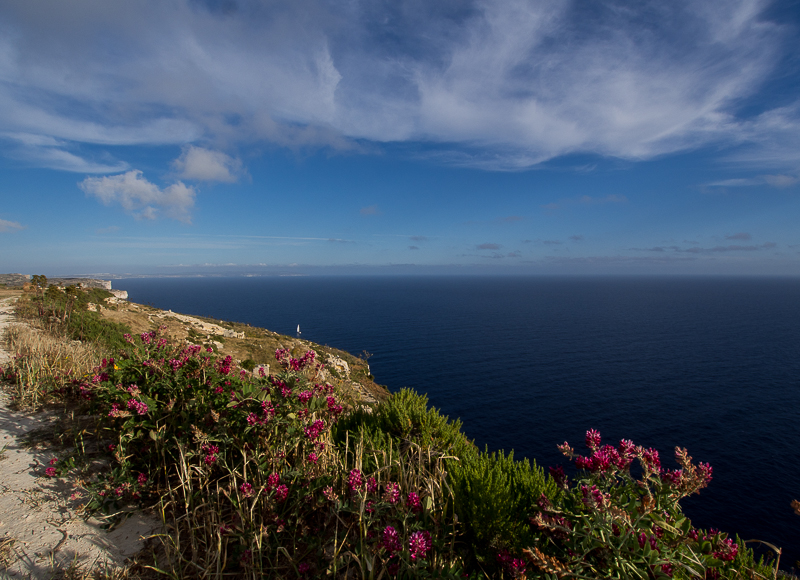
(281, 493)
(273, 480)
(53, 461)
(315, 429)
(726, 550)
(414, 503)
(557, 473)
(304, 568)
(651, 460)
(372, 485)
(312, 457)
(705, 471)
(142, 479)
(419, 543)
(138, 406)
(672, 477)
(391, 540)
(246, 489)
(391, 493)
(50, 472)
(355, 480)
(592, 439)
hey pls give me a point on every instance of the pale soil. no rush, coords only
(41, 530)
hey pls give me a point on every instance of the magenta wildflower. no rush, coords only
(672, 477)
(592, 439)
(557, 473)
(50, 472)
(517, 568)
(372, 485)
(726, 550)
(355, 480)
(391, 540)
(667, 569)
(651, 460)
(138, 406)
(419, 543)
(53, 461)
(315, 429)
(142, 479)
(705, 471)
(281, 493)
(273, 480)
(305, 396)
(304, 568)
(246, 489)
(391, 493)
(414, 503)
(253, 419)
(334, 408)
(313, 458)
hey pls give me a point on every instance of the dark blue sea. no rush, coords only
(711, 364)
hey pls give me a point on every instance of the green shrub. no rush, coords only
(406, 417)
(493, 497)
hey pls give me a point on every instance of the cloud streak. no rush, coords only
(498, 84)
(9, 226)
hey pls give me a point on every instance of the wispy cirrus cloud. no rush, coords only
(9, 226)
(498, 84)
(370, 210)
(586, 200)
(710, 250)
(778, 181)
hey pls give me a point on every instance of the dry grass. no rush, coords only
(44, 363)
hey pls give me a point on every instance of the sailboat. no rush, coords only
(298, 329)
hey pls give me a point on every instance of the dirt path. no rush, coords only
(40, 530)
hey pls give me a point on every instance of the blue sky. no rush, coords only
(564, 137)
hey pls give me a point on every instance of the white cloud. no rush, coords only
(141, 198)
(206, 165)
(46, 151)
(779, 181)
(500, 84)
(370, 210)
(7, 226)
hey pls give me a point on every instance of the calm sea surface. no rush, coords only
(708, 364)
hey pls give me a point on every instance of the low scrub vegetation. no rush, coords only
(283, 476)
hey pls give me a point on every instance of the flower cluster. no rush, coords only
(138, 406)
(211, 452)
(419, 544)
(355, 480)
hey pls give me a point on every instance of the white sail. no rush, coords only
(298, 329)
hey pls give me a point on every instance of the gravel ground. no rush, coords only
(40, 529)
